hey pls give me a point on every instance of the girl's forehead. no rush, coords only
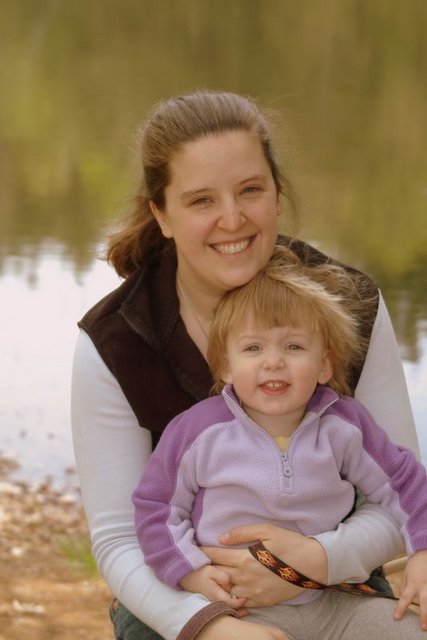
(258, 321)
(253, 326)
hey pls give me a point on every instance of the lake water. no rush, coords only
(349, 82)
(37, 340)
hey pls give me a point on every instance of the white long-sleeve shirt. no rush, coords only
(111, 451)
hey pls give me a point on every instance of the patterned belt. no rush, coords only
(288, 573)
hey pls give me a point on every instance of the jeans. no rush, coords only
(340, 616)
(127, 627)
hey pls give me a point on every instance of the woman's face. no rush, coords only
(221, 209)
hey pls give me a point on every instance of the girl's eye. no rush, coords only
(252, 348)
(294, 347)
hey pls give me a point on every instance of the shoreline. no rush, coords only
(36, 516)
(39, 522)
(49, 586)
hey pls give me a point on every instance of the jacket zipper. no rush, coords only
(287, 469)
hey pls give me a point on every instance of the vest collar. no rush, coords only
(152, 311)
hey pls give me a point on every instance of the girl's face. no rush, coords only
(221, 210)
(275, 372)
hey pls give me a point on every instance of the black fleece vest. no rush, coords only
(139, 334)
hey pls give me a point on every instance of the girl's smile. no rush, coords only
(274, 387)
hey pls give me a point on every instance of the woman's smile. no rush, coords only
(234, 247)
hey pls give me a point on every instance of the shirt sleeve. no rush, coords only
(388, 474)
(111, 450)
(382, 386)
(360, 544)
(371, 536)
(164, 500)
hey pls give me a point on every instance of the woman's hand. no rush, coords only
(414, 587)
(254, 582)
(234, 629)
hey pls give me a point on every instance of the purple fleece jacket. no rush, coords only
(214, 468)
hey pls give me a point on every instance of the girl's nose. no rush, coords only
(274, 360)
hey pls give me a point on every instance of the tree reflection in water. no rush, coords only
(77, 78)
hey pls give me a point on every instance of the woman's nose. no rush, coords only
(231, 218)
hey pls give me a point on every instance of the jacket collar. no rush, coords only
(152, 311)
(320, 401)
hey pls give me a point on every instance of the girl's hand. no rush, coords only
(234, 629)
(214, 584)
(414, 587)
(254, 582)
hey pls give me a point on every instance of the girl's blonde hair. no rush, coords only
(172, 124)
(287, 292)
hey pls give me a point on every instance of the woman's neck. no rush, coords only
(196, 312)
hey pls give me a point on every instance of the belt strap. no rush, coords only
(288, 573)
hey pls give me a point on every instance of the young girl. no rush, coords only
(282, 444)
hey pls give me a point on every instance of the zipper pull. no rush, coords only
(286, 466)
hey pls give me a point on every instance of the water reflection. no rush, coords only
(416, 376)
(76, 79)
(36, 342)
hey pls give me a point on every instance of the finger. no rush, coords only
(245, 534)
(423, 609)
(224, 557)
(238, 604)
(402, 605)
(223, 579)
(230, 598)
(235, 603)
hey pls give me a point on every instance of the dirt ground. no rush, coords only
(49, 588)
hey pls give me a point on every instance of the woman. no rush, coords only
(205, 220)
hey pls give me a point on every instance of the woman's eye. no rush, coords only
(252, 188)
(199, 201)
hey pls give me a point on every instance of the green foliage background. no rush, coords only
(347, 76)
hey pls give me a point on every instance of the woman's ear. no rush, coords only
(162, 220)
(326, 371)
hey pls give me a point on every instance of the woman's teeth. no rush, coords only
(230, 248)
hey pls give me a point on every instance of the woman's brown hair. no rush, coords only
(170, 125)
